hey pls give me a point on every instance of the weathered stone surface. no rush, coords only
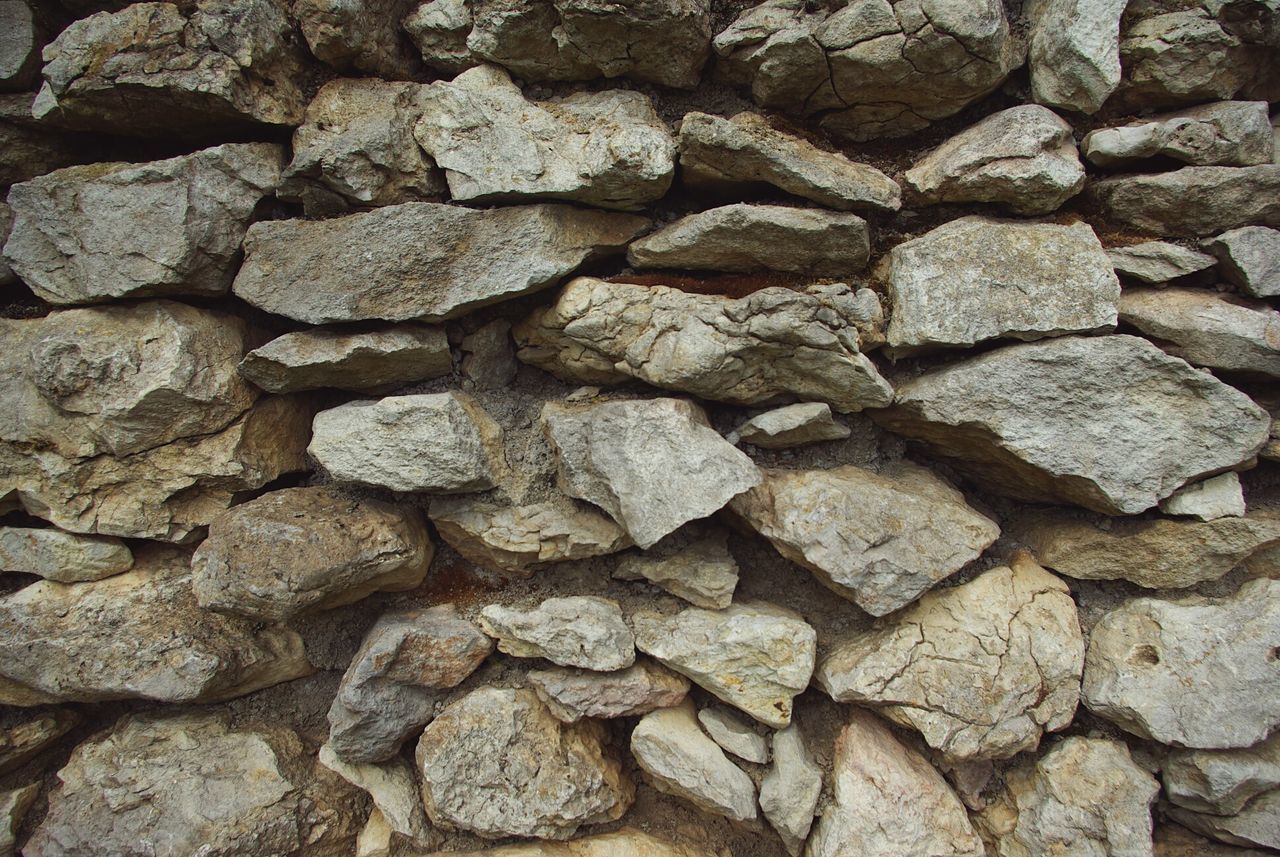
(497, 763)
(152, 68)
(20, 45)
(624, 842)
(30, 148)
(976, 278)
(1023, 158)
(420, 260)
(790, 789)
(1207, 329)
(392, 684)
(1166, 670)
(195, 786)
(1221, 782)
(394, 792)
(173, 227)
(1019, 420)
(619, 456)
(1192, 200)
(1218, 496)
(7, 276)
(439, 29)
(363, 35)
(754, 656)
(14, 805)
(1250, 258)
(1157, 261)
(304, 549)
(576, 631)
(1257, 824)
(911, 529)
(608, 149)
(734, 735)
(1226, 134)
(25, 734)
(64, 557)
(489, 358)
(680, 760)
(574, 694)
(887, 800)
(792, 425)
(980, 670)
(1171, 840)
(1085, 796)
(136, 635)
(433, 442)
(733, 154)
(695, 566)
(362, 361)
(1075, 52)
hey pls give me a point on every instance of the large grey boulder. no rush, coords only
(359, 34)
(575, 631)
(361, 267)
(574, 694)
(790, 789)
(64, 557)
(1207, 329)
(1158, 261)
(1019, 420)
(1075, 52)
(1221, 782)
(1227, 134)
(1192, 201)
(369, 361)
(1250, 258)
(106, 231)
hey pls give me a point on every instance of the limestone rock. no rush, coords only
(1226, 134)
(26, 734)
(361, 361)
(1250, 258)
(576, 631)
(733, 154)
(136, 635)
(1221, 782)
(490, 359)
(1018, 419)
(1193, 200)
(734, 735)
(754, 656)
(790, 789)
(361, 267)
(887, 800)
(1165, 670)
(746, 237)
(696, 567)
(1218, 496)
(608, 149)
(574, 694)
(363, 35)
(305, 549)
(433, 442)
(439, 29)
(394, 792)
(1157, 261)
(20, 45)
(624, 842)
(619, 456)
(64, 557)
(910, 529)
(1172, 840)
(771, 344)
(497, 763)
(195, 785)
(1075, 52)
(1257, 824)
(1023, 158)
(976, 278)
(173, 227)
(792, 425)
(14, 805)
(1206, 329)
(392, 684)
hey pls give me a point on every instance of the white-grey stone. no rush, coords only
(734, 735)
(1221, 782)
(1192, 201)
(14, 803)
(1207, 329)
(1226, 134)
(790, 426)
(574, 694)
(1218, 496)
(1257, 824)
(790, 789)
(696, 567)
(1158, 261)
(64, 557)
(23, 37)
(1250, 258)
(575, 631)
(1075, 52)
(362, 361)
(394, 792)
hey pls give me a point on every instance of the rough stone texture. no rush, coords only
(31, 148)
(363, 35)
(489, 358)
(1193, 200)
(1075, 52)
(1221, 782)
(608, 149)
(7, 276)
(1141, 425)
(497, 763)
(1085, 796)
(151, 68)
(576, 631)
(173, 227)
(432, 442)
(1226, 134)
(726, 155)
(1207, 329)
(1174, 841)
(1023, 158)
(680, 760)
(624, 842)
(887, 800)
(25, 734)
(20, 45)
(394, 792)
(136, 635)
(695, 566)
(392, 684)
(574, 694)
(1257, 824)
(14, 805)
(370, 361)
(754, 656)
(64, 557)
(976, 278)
(789, 426)
(981, 670)
(747, 237)
(1157, 261)
(771, 344)
(911, 529)
(619, 455)
(1166, 670)
(195, 785)
(734, 735)
(1218, 496)
(420, 260)
(1250, 258)
(305, 549)
(790, 789)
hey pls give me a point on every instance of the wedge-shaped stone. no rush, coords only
(1207, 329)
(1192, 201)
(14, 806)
(64, 557)
(574, 694)
(1258, 824)
(24, 734)
(362, 361)
(770, 344)
(1218, 496)
(693, 565)
(790, 789)
(1075, 52)
(1141, 425)
(1221, 782)
(394, 792)
(878, 539)
(420, 260)
(792, 425)
(576, 631)
(363, 35)
(1250, 258)
(734, 734)
(1225, 134)
(1158, 261)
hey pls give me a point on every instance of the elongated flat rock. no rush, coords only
(64, 557)
(575, 631)
(697, 567)
(1192, 201)
(1221, 782)
(790, 789)
(574, 694)
(1207, 329)
(1227, 134)
(363, 361)
(1157, 261)
(789, 426)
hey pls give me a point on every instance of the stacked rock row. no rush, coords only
(265, 401)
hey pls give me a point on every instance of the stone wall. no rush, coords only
(675, 427)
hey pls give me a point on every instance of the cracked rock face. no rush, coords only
(981, 670)
(790, 789)
(1226, 134)
(1075, 52)
(790, 426)
(1207, 330)
(1221, 782)
(1158, 261)
(1192, 201)
(363, 35)
(608, 149)
(364, 361)
(1250, 258)
(773, 343)
(574, 694)
(690, 565)
(576, 631)
(1258, 824)
(64, 557)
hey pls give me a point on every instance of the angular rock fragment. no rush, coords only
(624, 842)
(1207, 329)
(497, 763)
(1221, 782)
(878, 539)
(1157, 261)
(790, 789)
(1250, 258)
(362, 361)
(574, 694)
(14, 805)
(1192, 201)
(394, 792)
(490, 359)
(696, 567)
(363, 35)
(754, 656)
(1145, 424)
(608, 149)
(1258, 824)
(1225, 134)
(1075, 52)
(25, 734)
(420, 260)
(433, 442)
(734, 735)
(1218, 496)
(1166, 670)
(789, 426)
(24, 35)
(64, 557)
(976, 278)
(576, 631)
(1023, 158)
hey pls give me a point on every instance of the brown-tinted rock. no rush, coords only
(64, 557)
(572, 694)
